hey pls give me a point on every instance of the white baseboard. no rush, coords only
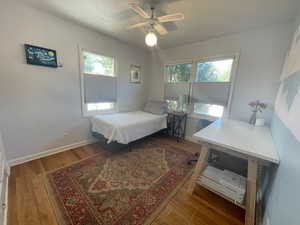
(17, 161)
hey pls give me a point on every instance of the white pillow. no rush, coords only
(156, 107)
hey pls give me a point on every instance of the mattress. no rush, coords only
(129, 126)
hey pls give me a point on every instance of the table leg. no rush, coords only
(251, 192)
(259, 199)
(200, 166)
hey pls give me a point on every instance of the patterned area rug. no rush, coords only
(124, 188)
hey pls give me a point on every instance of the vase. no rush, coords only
(252, 120)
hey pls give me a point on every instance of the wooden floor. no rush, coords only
(29, 204)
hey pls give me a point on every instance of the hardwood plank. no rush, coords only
(176, 211)
(29, 203)
(45, 210)
(208, 213)
(91, 149)
(12, 200)
(68, 157)
(52, 162)
(220, 205)
(36, 167)
(202, 219)
(81, 153)
(32, 171)
(27, 210)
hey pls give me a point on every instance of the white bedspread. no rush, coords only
(128, 127)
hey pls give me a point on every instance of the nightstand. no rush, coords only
(177, 124)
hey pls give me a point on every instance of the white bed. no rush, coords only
(127, 127)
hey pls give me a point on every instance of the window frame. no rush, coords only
(227, 108)
(84, 110)
(166, 80)
(211, 59)
(194, 62)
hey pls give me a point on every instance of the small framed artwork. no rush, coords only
(40, 56)
(135, 74)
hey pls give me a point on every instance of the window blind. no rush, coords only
(174, 90)
(99, 88)
(211, 93)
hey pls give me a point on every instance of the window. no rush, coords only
(177, 86)
(179, 72)
(214, 71)
(100, 106)
(97, 64)
(98, 83)
(203, 87)
(209, 109)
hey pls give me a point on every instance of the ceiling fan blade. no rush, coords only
(160, 29)
(171, 17)
(135, 7)
(137, 25)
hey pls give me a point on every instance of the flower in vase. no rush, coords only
(257, 106)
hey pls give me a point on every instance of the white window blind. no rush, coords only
(210, 93)
(100, 89)
(174, 91)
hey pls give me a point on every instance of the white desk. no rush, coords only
(242, 140)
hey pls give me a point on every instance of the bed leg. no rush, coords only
(130, 147)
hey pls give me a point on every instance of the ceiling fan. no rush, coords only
(154, 22)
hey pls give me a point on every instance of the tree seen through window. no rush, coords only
(214, 71)
(179, 73)
(98, 64)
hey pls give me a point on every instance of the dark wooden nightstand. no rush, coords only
(177, 124)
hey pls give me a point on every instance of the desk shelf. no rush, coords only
(221, 195)
(224, 183)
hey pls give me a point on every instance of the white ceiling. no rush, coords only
(204, 19)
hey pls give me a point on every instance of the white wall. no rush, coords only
(40, 107)
(261, 57)
(1, 144)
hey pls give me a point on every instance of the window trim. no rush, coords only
(84, 111)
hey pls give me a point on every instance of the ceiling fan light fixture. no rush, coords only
(151, 39)
(156, 23)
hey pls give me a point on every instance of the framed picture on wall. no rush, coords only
(135, 74)
(40, 56)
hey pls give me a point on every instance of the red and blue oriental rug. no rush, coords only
(124, 188)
